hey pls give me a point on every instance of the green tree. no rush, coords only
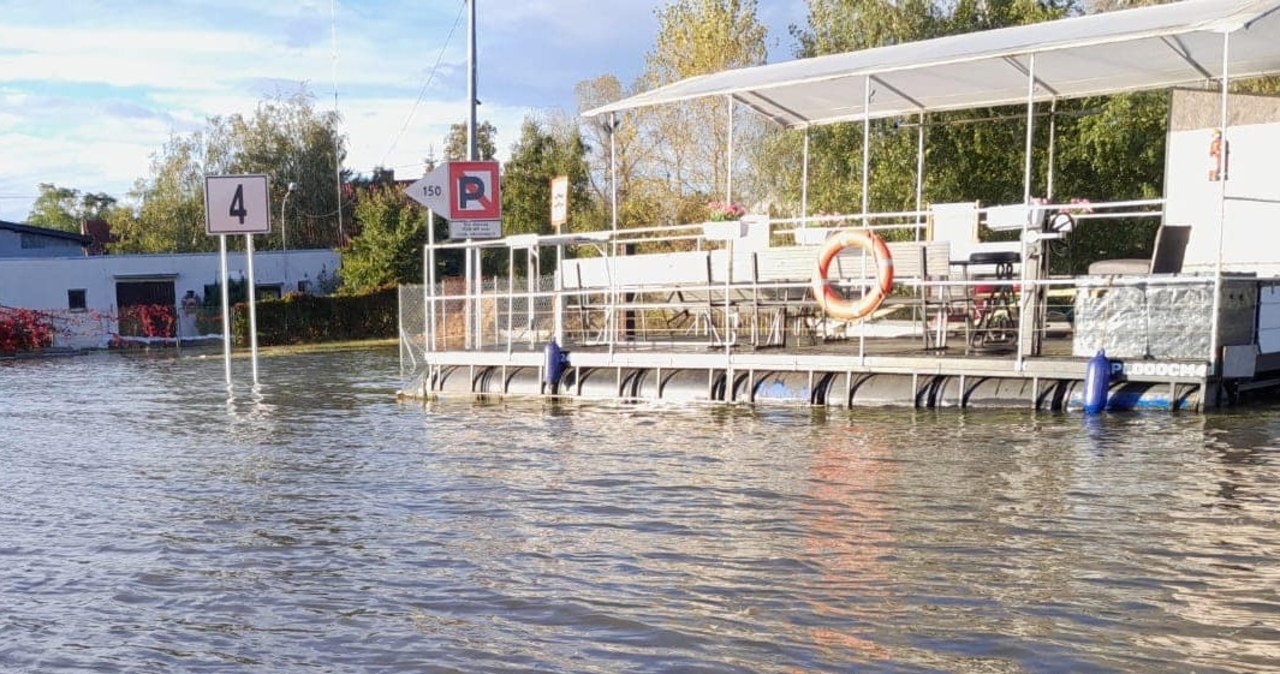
(603, 144)
(696, 37)
(388, 249)
(285, 138)
(540, 155)
(65, 208)
(964, 159)
(455, 144)
(168, 211)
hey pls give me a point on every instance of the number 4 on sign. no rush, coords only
(237, 204)
(237, 209)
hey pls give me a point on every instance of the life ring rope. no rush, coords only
(832, 303)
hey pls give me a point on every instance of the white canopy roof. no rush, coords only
(1144, 48)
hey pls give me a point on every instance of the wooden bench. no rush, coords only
(764, 280)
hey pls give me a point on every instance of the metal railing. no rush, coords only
(961, 309)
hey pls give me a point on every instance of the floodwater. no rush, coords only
(150, 524)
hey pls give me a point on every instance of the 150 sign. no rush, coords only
(238, 204)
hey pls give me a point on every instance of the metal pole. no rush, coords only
(337, 160)
(558, 304)
(1031, 122)
(284, 230)
(728, 179)
(533, 276)
(866, 149)
(1216, 333)
(1025, 340)
(866, 187)
(466, 302)
(804, 182)
(919, 173)
(226, 307)
(478, 306)
(1053, 147)
(253, 307)
(431, 279)
(511, 291)
(471, 80)
(613, 169)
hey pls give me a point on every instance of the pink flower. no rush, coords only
(721, 211)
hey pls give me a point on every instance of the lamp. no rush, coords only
(284, 230)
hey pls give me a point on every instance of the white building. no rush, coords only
(86, 296)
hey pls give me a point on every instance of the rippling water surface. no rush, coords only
(150, 524)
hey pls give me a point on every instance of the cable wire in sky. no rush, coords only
(426, 83)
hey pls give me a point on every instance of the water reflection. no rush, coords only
(152, 522)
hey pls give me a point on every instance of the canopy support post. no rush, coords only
(1053, 147)
(919, 174)
(728, 169)
(866, 184)
(866, 149)
(613, 170)
(1216, 318)
(1028, 306)
(804, 182)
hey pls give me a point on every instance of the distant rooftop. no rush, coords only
(45, 231)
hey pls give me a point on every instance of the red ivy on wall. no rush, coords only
(148, 320)
(24, 330)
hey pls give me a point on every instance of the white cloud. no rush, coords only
(89, 90)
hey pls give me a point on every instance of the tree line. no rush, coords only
(669, 161)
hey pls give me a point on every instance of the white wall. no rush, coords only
(43, 283)
(1251, 236)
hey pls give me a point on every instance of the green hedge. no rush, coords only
(307, 319)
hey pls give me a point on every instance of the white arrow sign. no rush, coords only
(432, 190)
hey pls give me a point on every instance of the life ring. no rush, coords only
(831, 302)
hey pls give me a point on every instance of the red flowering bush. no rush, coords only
(24, 330)
(148, 320)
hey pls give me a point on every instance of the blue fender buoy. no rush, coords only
(1097, 380)
(553, 365)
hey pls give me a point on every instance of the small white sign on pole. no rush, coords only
(559, 202)
(475, 229)
(237, 204)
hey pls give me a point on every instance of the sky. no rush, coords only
(91, 89)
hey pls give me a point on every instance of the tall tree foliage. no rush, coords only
(455, 144)
(286, 138)
(542, 153)
(964, 160)
(65, 208)
(388, 249)
(696, 37)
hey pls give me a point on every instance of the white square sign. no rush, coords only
(237, 205)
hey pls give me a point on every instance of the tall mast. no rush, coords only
(471, 81)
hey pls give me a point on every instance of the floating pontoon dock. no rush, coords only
(730, 316)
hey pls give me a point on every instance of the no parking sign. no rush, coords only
(468, 193)
(476, 191)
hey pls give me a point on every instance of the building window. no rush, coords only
(76, 299)
(35, 241)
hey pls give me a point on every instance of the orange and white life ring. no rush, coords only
(831, 302)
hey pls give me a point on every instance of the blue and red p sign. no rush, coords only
(476, 191)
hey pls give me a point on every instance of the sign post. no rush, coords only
(237, 204)
(559, 217)
(469, 195)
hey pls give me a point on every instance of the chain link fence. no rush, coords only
(506, 313)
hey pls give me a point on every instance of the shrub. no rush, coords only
(302, 319)
(24, 330)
